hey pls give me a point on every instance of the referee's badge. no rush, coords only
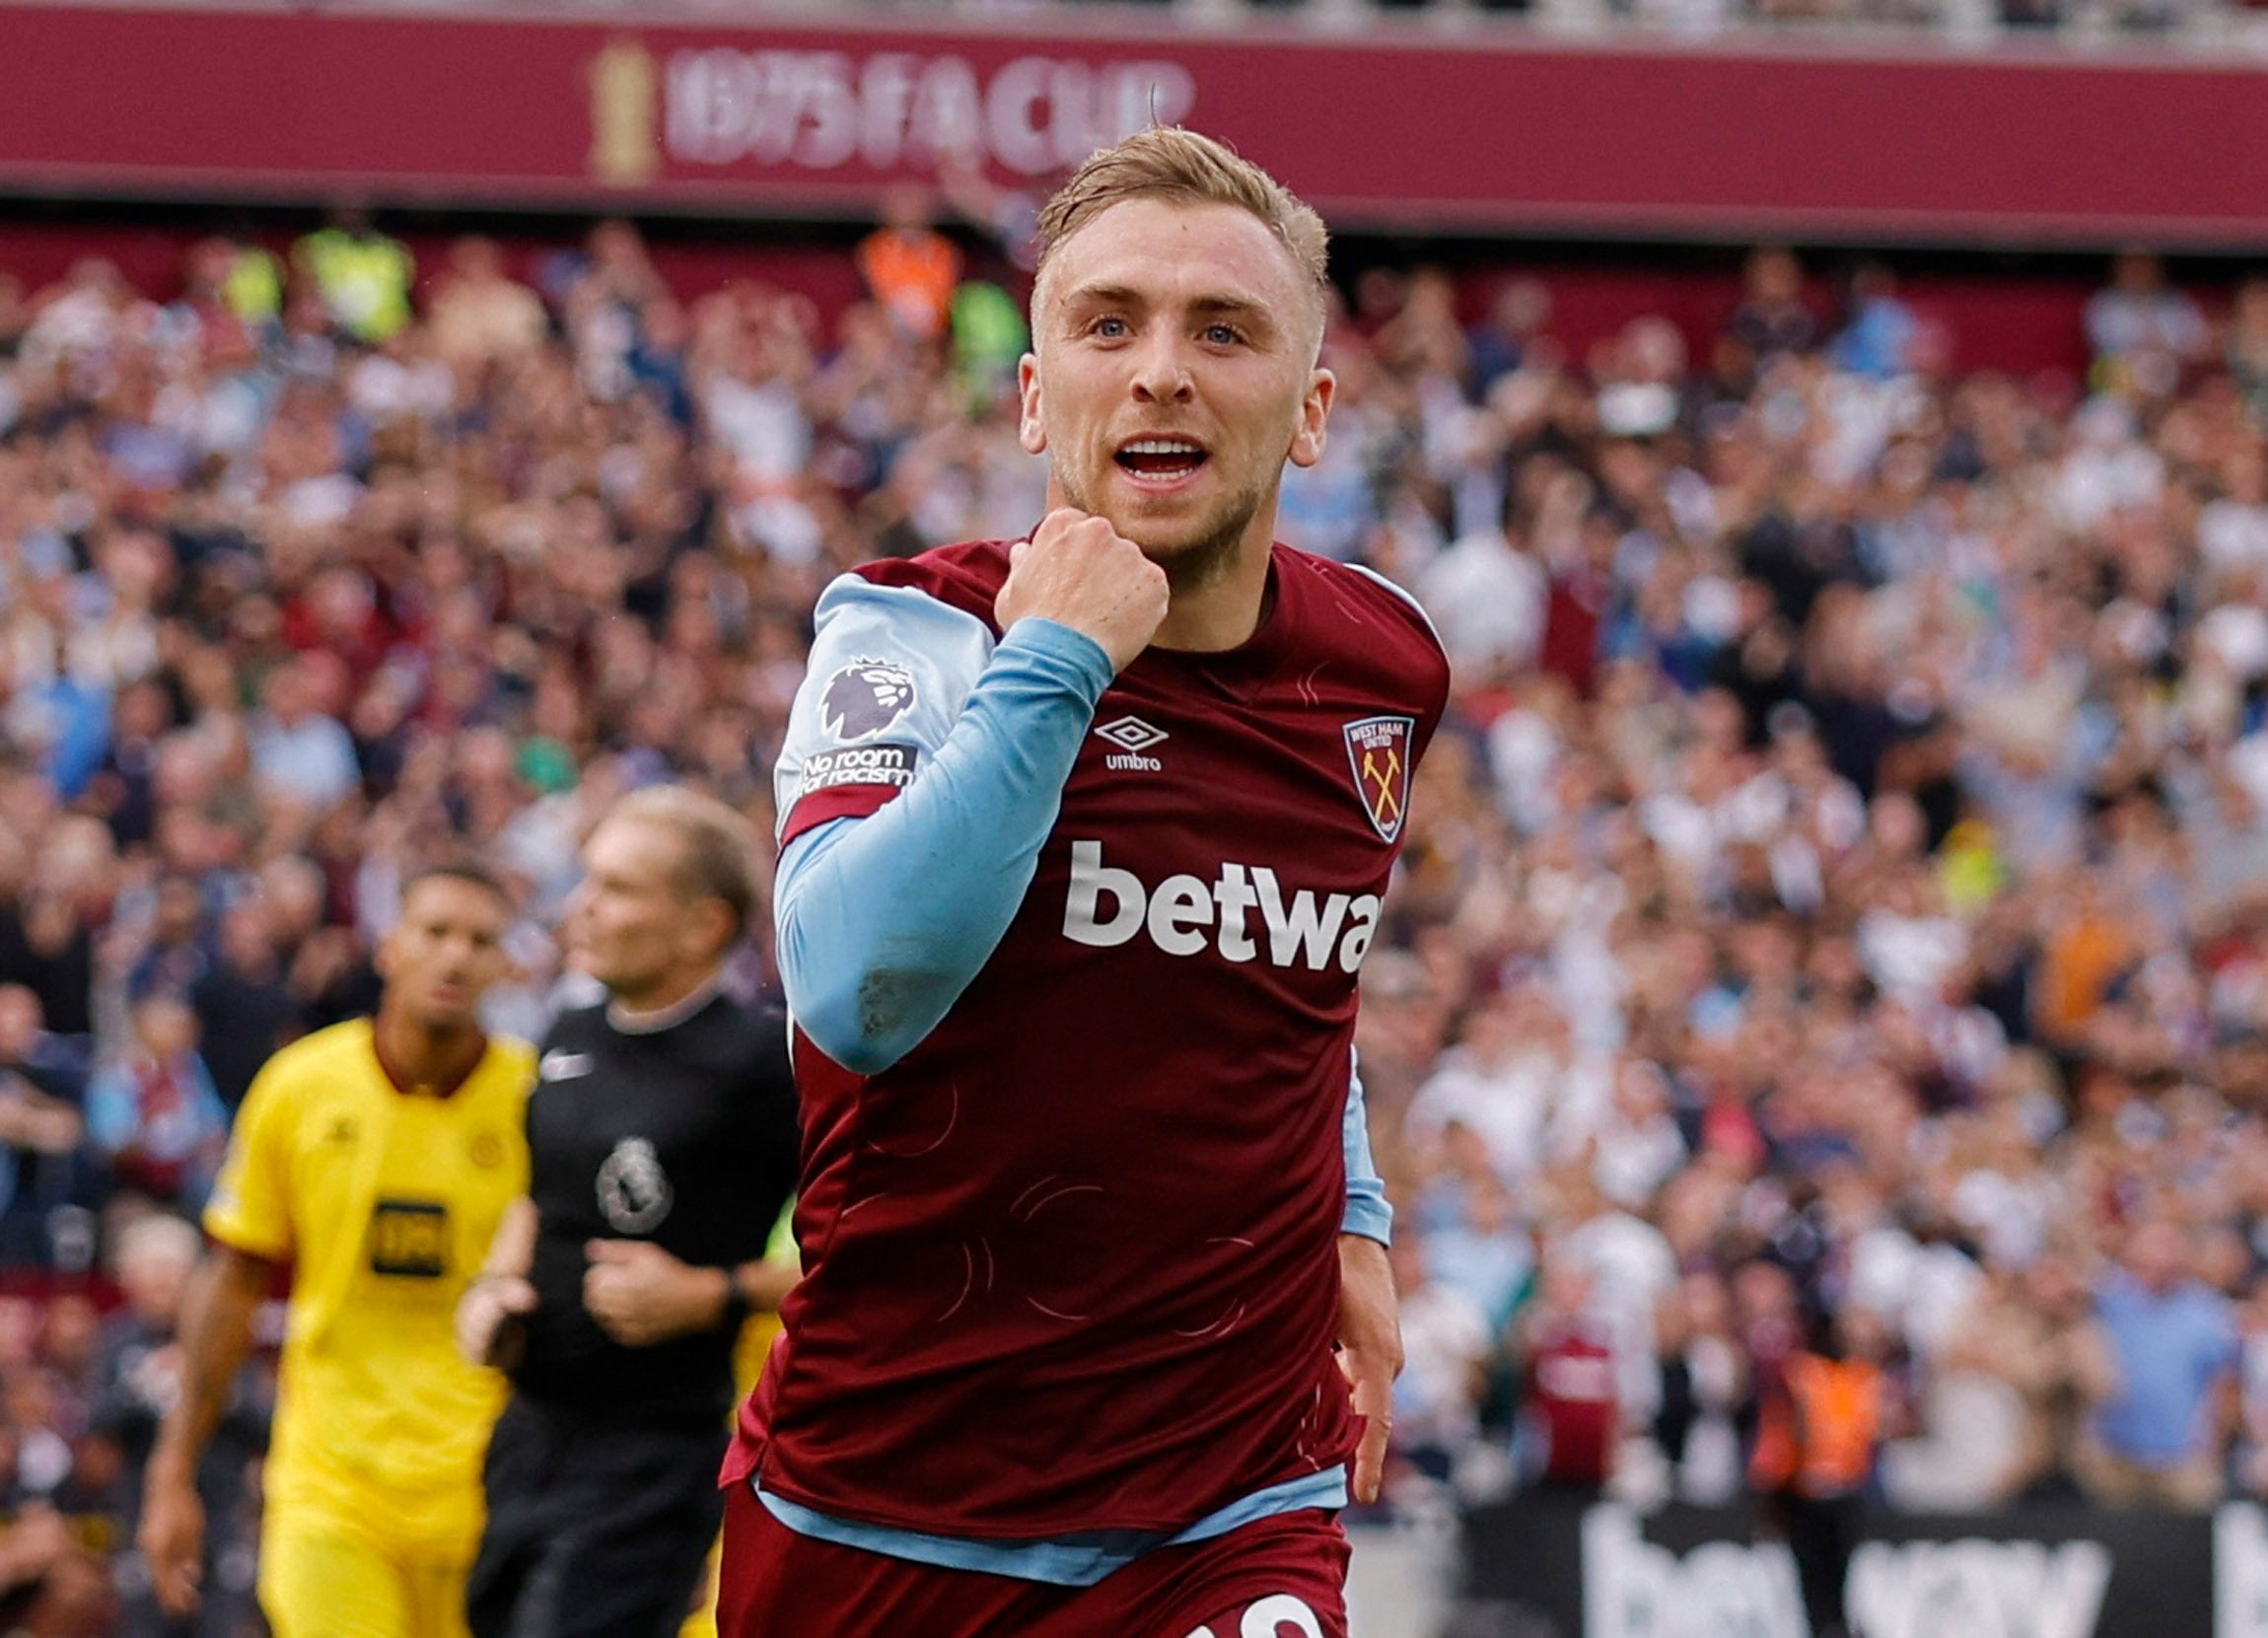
(634, 1193)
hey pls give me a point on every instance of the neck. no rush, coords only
(1217, 609)
(656, 1004)
(1218, 601)
(426, 1058)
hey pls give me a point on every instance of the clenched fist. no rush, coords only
(1078, 571)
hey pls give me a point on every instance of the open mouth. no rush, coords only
(1161, 460)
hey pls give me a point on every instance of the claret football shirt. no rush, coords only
(1070, 1260)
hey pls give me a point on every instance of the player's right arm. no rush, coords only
(891, 898)
(217, 1315)
(250, 1218)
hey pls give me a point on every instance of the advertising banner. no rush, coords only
(1398, 126)
(1571, 1571)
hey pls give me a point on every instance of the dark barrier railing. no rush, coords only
(1544, 1567)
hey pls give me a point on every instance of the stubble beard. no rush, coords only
(1191, 565)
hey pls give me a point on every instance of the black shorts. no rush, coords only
(593, 1532)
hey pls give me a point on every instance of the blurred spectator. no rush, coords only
(60, 714)
(2251, 1454)
(362, 277)
(2247, 348)
(1486, 598)
(2158, 1438)
(910, 268)
(48, 947)
(42, 1093)
(1494, 1083)
(136, 1379)
(299, 753)
(1475, 1244)
(989, 337)
(2035, 1334)
(124, 790)
(244, 1008)
(154, 1112)
(1704, 1385)
(1815, 1452)
(171, 957)
(230, 293)
(1636, 1145)
(1772, 319)
(1500, 342)
(51, 1587)
(1629, 1268)
(2143, 332)
(1446, 1341)
(479, 312)
(1571, 1408)
(1878, 329)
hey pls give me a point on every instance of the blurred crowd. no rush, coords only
(1830, 924)
(1834, 926)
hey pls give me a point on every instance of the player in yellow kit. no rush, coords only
(374, 1159)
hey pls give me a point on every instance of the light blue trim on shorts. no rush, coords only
(1078, 1560)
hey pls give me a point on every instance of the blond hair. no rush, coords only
(718, 856)
(1167, 161)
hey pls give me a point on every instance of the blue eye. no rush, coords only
(1111, 328)
(1223, 335)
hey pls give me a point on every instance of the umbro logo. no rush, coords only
(1132, 735)
(564, 1066)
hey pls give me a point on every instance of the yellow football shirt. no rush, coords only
(385, 1203)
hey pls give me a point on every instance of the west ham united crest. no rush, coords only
(1379, 753)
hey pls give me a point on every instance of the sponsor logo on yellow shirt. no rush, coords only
(409, 1239)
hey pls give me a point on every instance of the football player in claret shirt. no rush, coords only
(375, 1159)
(1085, 838)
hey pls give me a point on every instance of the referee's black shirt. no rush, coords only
(685, 1135)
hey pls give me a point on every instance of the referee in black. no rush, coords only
(663, 1144)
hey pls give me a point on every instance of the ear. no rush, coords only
(1029, 432)
(708, 925)
(1315, 412)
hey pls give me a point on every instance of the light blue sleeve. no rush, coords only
(1367, 1212)
(883, 919)
(890, 671)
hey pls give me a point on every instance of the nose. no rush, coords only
(1162, 370)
